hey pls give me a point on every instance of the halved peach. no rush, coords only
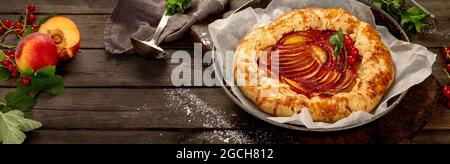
(65, 34)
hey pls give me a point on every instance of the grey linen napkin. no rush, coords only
(139, 19)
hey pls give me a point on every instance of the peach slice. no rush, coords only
(65, 34)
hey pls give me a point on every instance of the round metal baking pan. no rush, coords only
(381, 18)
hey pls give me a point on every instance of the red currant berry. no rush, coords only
(348, 41)
(31, 8)
(2, 30)
(8, 24)
(6, 62)
(26, 81)
(15, 74)
(18, 25)
(20, 32)
(9, 52)
(446, 91)
(354, 52)
(33, 27)
(31, 18)
(12, 57)
(351, 60)
(11, 68)
(448, 50)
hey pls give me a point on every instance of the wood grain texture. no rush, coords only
(208, 108)
(63, 7)
(149, 137)
(433, 137)
(92, 25)
(92, 29)
(96, 68)
(129, 99)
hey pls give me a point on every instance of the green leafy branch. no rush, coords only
(15, 112)
(412, 19)
(177, 6)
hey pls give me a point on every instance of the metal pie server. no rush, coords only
(149, 48)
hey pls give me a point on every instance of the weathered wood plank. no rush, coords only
(440, 35)
(209, 108)
(92, 27)
(63, 7)
(140, 109)
(150, 137)
(433, 137)
(440, 119)
(92, 31)
(96, 68)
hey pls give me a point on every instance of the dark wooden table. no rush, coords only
(128, 99)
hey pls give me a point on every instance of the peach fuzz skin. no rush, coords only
(36, 51)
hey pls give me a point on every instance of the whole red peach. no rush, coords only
(36, 51)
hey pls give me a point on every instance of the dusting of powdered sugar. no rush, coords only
(187, 101)
(239, 136)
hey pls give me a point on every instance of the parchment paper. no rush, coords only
(413, 63)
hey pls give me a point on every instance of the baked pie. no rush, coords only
(326, 60)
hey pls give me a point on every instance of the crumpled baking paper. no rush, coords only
(413, 63)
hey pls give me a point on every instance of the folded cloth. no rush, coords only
(139, 19)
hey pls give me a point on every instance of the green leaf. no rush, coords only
(338, 41)
(412, 20)
(46, 80)
(378, 3)
(4, 74)
(47, 71)
(27, 32)
(53, 85)
(45, 19)
(19, 101)
(2, 56)
(13, 125)
(27, 72)
(3, 108)
(177, 6)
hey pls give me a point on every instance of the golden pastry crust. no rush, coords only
(375, 72)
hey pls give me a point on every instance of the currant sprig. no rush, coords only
(25, 23)
(446, 89)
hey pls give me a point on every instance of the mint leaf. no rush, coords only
(338, 41)
(177, 6)
(45, 19)
(13, 125)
